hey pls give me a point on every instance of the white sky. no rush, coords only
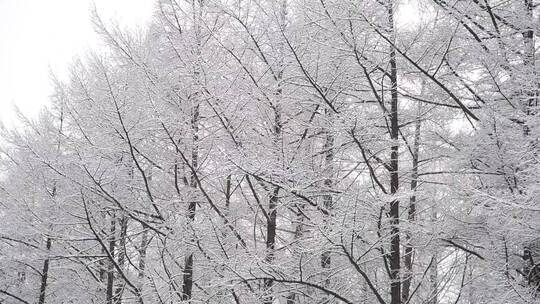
(39, 36)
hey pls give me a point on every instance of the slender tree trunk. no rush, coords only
(45, 273)
(529, 60)
(48, 242)
(409, 250)
(142, 259)
(110, 270)
(121, 257)
(187, 285)
(271, 225)
(227, 210)
(298, 232)
(271, 222)
(470, 278)
(102, 272)
(530, 79)
(228, 194)
(395, 258)
(328, 203)
(434, 272)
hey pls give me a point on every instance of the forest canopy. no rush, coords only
(284, 151)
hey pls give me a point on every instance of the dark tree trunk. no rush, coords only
(45, 273)
(271, 226)
(142, 259)
(531, 90)
(271, 221)
(197, 6)
(110, 270)
(395, 256)
(121, 257)
(328, 203)
(434, 272)
(409, 251)
(187, 285)
(298, 232)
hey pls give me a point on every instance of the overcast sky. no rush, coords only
(37, 36)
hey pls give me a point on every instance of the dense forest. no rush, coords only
(284, 151)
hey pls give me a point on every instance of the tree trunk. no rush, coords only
(434, 272)
(328, 202)
(271, 226)
(409, 250)
(110, 270)
(271, 222)
(395, 259)
(529, 60)
(434, 280)
(45, 273)
(298, 232)
(121, 257)
(142, 259)
(187, 285)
